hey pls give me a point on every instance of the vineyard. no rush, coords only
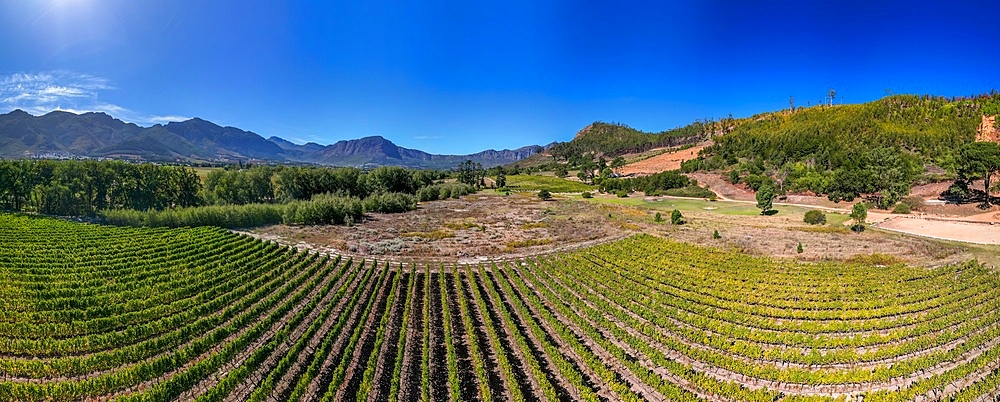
(92, 312)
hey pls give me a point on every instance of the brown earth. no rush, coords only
(988, 130)
(972, 232)
(662, 162)
(476, 227)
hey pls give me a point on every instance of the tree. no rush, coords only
(544, 194)
(799, 248)
(617, 163)
(658, 218)
(587, 168)
(676, 218)
(979, 160)
(471, 173)
(561, 171)
(765, 197)
(859, 213)
(832, 93)
(501, 178)
(791, 103)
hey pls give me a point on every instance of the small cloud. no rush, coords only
(166, 119)
(67, 91)
(427, 137)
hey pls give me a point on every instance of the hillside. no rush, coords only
(881, 147)
(612, 139)
(66, 135)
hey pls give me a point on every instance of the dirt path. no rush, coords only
(945, 229)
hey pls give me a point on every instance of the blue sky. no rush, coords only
(460, 77)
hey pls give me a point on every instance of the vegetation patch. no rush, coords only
(513, 245)
(554, 184)
(841, 229)
(434, 235)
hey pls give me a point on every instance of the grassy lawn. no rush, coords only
(554, 184)
(203, 171)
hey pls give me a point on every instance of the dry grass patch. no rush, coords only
(435, 235)
(516, 244)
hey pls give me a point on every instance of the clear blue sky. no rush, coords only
(459, 77)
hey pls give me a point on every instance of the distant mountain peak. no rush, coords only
(97, 134)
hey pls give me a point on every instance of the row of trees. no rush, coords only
(86, 188)
(77, 188)
(266, 184)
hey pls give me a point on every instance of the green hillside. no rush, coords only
(611, 139)
(878, 147)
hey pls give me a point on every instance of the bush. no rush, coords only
(915, 202)
(690, 191)
(621, 193)
(324, 210)
(815, 217)
(226, 216)
(715, 234)
(390, 203)
(544, 194)
(444, 191)
(799, 248)
(901, 208)
(676, 218)
(587, 194)
(658, 218)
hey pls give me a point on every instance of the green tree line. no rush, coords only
(82, 188)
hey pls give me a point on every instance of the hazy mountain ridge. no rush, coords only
(64, 134)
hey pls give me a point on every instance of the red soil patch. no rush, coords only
(662, 162)
(988, 130)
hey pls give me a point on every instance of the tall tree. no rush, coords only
(979, 160)
(501, 178)
(765, 198)
(832, 93)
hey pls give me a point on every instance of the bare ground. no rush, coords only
(662, 162)
(477, 227)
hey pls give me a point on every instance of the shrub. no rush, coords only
(715, 234)
(915, 202)
(676, 218)
(690, 191)
(444, 191)
(324, 210)
(658, 218)
(587, 194)
(901, 208)
(390, 203)
(799, 248)
(544, 194)
(815, 217)
(621, 193)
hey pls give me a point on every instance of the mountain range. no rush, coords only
(62, 134)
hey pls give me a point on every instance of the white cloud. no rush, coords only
(59, 90)
(166, 119)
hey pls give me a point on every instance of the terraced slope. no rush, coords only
(99, 313)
